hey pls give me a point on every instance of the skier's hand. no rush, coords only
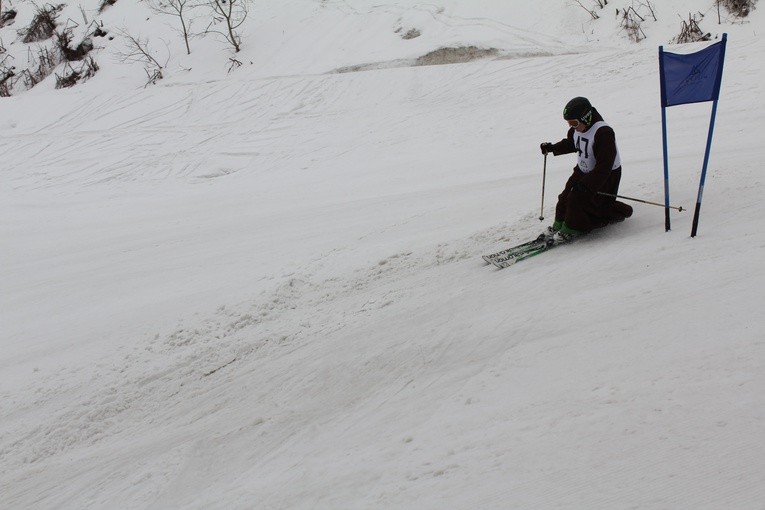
(580, 187)
(546, 147)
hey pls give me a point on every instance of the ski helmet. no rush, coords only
(578, 108)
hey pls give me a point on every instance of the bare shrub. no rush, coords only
(632, 18)
(647, 5)
(596, 3)
(43, 24)
(233, 64)
(100, 31)
(232, 13)
(139, 51)
(691, 32)
(69, 53)
(8, 17)
(73, 76)
(105, 4)
(738, 8)
(41, 65)
(177, 8)
(6, 73)
(631, 23)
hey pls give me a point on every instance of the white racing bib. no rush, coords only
(583, 143)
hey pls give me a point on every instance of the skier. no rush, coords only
(580, 208)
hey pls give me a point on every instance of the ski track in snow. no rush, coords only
(153, 380)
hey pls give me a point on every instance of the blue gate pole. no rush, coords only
(666, 167)
(718, 82)
(664, 137)
(704, 170)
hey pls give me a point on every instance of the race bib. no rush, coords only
(583, 143)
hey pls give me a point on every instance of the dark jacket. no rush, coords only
(579, 205)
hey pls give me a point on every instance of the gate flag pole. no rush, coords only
(664, 139)
(696, 212)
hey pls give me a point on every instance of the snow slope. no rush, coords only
(264, 289)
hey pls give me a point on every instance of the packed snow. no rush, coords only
(260, 286)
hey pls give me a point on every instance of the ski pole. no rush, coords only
(680, 209)
(544, 176)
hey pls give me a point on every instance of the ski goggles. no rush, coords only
(573, 123)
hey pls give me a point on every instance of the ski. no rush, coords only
(509, 256)
(517, 256)
(517, 249)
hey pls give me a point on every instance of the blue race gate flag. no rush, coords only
(690, 78)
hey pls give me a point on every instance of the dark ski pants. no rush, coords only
(586, 210)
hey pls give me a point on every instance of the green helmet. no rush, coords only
(578, 108)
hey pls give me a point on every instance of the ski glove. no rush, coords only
(580, 187)
(546, 147)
